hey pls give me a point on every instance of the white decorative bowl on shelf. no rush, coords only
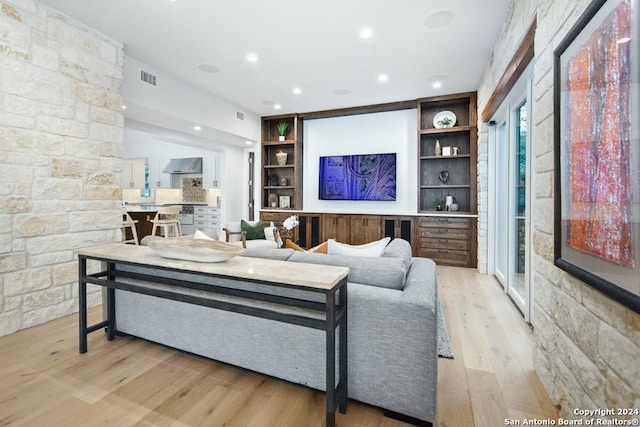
(199, 250)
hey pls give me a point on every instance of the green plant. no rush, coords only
(438, 203)
(282, 128)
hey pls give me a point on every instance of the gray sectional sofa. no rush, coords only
(392, 331)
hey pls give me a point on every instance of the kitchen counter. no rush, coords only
(152, 207)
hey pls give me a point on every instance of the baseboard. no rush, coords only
(407, 419)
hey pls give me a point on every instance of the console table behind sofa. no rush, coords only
(285, 292)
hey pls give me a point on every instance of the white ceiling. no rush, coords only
(313, 45)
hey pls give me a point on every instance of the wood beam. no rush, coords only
(523, 56)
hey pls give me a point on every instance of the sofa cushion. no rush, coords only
(372, 249)
(381, 272)
(399, 248)
(255, 230)
(269, 253)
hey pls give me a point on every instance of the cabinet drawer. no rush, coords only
(444, 243)
(200, 217)
(447, 257)
(207, 224)
(431, 222)
(444, 233)
(206, 210)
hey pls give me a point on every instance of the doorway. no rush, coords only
(512, 187)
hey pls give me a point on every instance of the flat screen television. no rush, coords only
(358, 177)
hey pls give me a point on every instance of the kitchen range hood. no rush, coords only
(187, 165)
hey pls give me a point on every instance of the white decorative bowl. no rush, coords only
(199, 250)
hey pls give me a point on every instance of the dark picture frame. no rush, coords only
(597, 151)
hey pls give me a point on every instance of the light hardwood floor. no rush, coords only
(45, 382)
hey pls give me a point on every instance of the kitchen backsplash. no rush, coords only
(192, 190)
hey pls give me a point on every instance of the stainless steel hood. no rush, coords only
(186, 165)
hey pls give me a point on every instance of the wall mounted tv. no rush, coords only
(358, 177)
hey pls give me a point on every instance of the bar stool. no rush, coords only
(167, 220)
(129, 223)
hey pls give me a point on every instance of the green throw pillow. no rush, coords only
(255, 231)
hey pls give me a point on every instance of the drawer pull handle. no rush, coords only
(443, 241)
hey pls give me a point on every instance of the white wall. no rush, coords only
(176, 104)
(388, 132)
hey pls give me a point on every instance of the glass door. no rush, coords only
(519, 220)
(512, 225)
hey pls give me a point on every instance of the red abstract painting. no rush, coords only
(598, 137)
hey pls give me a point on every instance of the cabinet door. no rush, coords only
(365, 229)
(211, 171)
(133, 173)
(336, 227)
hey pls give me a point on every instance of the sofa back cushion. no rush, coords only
(399, 248)
(268, 253)
(380, 271)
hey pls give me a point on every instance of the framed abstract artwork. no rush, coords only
(597, 150)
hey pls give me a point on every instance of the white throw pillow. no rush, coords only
(201, 235)
(372, 249)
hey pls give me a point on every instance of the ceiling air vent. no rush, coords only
(148, 78)
(239, 115)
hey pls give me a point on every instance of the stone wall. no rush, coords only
(587, 346)
(61, 133)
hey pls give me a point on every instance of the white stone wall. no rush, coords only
(61, 133)
(587, 346)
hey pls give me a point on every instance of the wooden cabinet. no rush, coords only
(447, 157)
(309, 230)
(400, 227)
(282, 180)
(337, 227)
(364, 229)
(447, 240)
(135, 173)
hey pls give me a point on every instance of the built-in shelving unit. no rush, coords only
(459, 169)
(285, 195)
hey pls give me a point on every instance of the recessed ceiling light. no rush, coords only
(297, 91)
(436, 80)
(277, 106)
(252, 57)
(207, 68)
(366, 33)
(624, 40)
(342, 91)
(383, 78)
(124, 107)
(197, 128)
(439, 19)
(249, 142)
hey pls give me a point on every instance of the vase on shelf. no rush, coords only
(281, 158)
(438, 150)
